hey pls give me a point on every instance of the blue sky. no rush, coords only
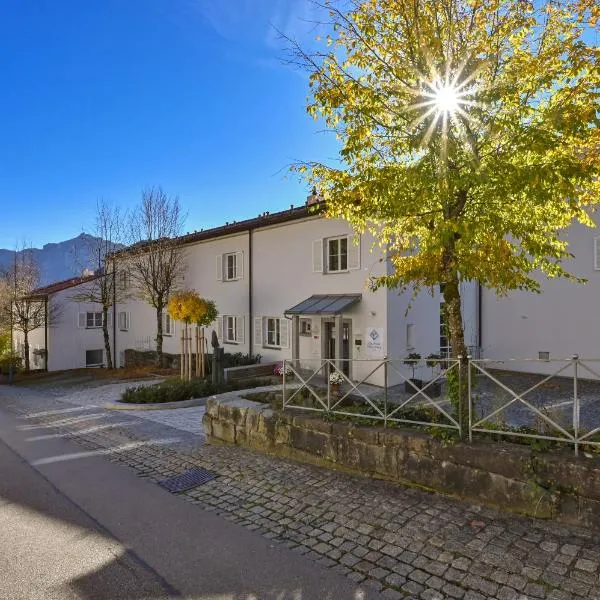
(100, 99)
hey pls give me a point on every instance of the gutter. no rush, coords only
(250, 292)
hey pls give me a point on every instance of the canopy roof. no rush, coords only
(324, 304)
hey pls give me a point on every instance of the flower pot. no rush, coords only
(335, 389)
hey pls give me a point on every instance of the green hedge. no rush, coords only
(177, 391)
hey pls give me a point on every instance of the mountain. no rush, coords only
(61, 260)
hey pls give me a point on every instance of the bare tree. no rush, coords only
(108, 287)
(155, 259)
(24, 306)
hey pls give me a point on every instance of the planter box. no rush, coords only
(410, 389)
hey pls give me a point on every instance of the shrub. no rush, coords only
(240, 360)
(177, 391)
(9, 359)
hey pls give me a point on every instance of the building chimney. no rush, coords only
(314, 197)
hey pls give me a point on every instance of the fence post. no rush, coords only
(284, 388)
(470, 398)
(575, 405)
(385, 390)
(327, 373)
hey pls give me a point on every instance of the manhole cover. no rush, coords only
(187, 480)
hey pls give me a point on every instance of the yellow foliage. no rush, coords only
(189, 307)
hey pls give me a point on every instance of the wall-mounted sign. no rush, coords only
(375, 341)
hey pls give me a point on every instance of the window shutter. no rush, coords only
(109, 318)
(219, 270)
(284, 333)
(82, 320)
(240, 330)
(220, 321)
(317, 251)
(128, 320)
(597, 253)
(239, 265)
(353, 252)
(258, 331)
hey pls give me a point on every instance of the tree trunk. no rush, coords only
(159, 337)
(109, 362)
(26, 349)
(457, 376)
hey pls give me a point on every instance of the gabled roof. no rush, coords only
(264, 220)
(59, 286)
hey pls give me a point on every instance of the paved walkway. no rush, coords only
(403, 542)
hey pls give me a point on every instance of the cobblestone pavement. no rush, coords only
(405, 542)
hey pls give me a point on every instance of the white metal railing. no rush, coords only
(567, 371)
(377, 393)
(558, 400)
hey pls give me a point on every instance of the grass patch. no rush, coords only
(175, 390)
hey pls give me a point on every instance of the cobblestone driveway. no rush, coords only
(404, 542)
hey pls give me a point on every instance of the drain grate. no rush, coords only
(187, 480)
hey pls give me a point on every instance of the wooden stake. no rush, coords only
(181, 356)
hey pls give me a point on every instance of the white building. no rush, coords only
(72, 337)
(296, 285)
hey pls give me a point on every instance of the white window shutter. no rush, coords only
(317, 252)
(284, 333)
(353, 252)
(128, 320)
(81, 320)
(258, 331)
(597, 253)
(219, 267)
(239, 265)
(109, 317)
(220, 321)
(240, 330)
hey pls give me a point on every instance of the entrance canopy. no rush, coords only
(325, 304)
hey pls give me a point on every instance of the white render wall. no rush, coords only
(67, 342)
(563, 320)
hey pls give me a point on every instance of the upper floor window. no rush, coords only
(93, 319)
(124, 279)
(336, 254)
(230, 266)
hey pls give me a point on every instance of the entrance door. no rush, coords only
(329, 335)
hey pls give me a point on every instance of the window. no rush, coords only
(124, 278)
(273, 332)
(445, 348)
(230, 267)
(167, 324)
(94, 358)
(231, 329)
(337, 254)
(93, 320)
(124, 321)
(305, 326)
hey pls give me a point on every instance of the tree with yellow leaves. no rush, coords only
(469, 135)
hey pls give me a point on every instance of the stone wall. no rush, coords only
(510, 476)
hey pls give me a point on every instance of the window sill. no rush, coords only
(124, 330)
(272, 347)
(339, 271)
(94, 327)
(230, 280)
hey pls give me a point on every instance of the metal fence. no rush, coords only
(385, 390)
(557, 400)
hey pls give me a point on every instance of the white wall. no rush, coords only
(563, 320)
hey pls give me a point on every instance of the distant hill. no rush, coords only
(59, 261)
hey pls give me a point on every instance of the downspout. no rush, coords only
(114, 284)
(479, 318)
(250, 290)
(46, 332)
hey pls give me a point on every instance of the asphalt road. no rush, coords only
(75, 526)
